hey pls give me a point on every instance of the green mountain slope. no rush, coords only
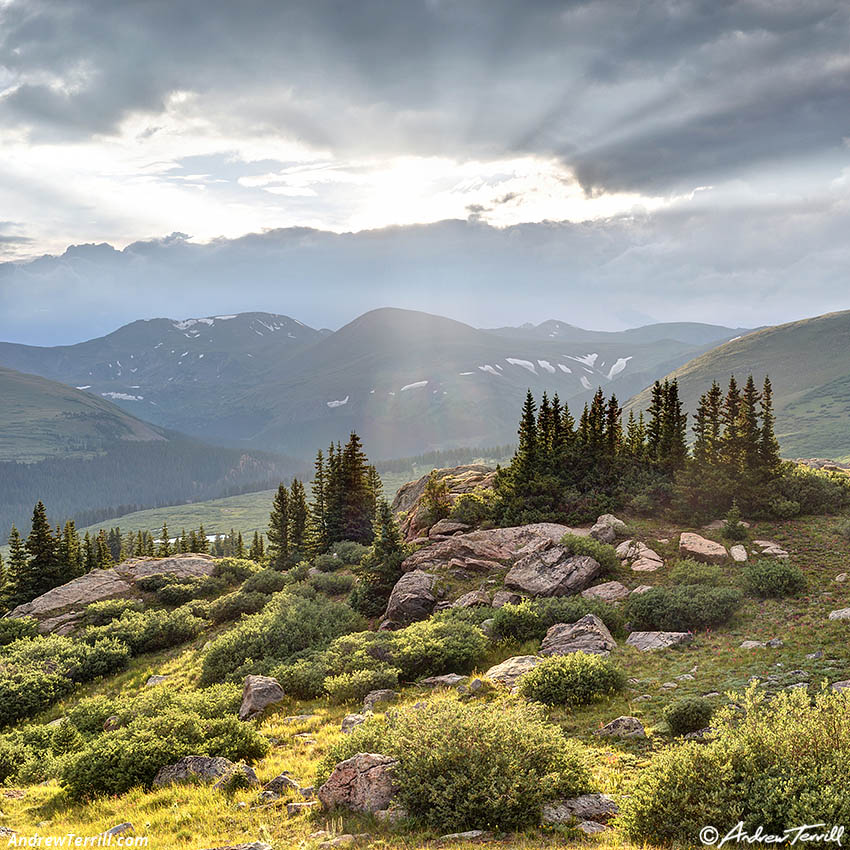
(809, 365)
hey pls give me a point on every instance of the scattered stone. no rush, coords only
(486, 626)
(701, 549)
(472, 599)
(591, 827)
(254, 845)
(258, 694)
(589, 634)
(469, 835)
(411, 599)
(193, 768)
(112, 722)
(240, 776)
(641, 588)
(639, 556)
(603, 533)
(155, 680)
(362, 783)
(841, 577)
(449, 680)
(642, 698)
(294, 809)
(553, 572)
(393, 814)
(684, 677)
(814, 656)
(479, 686)
(649, 641)
(669, 686)
(753, 644)
(298, 718)
(610, 591)
(505, 597)
(840, 614)
(841, 686)
(283, 782)
(623, 727)
(699, 735)
(712, 694)
(738, 553)
(120, 829)
(772, 550)
(797, 685)
(378, 697)
(776, 643)
(597, 807)
(446, 528)
(511, 669)
(346, 840)
(717, 524)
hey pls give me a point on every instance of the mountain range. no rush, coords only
(407, 381)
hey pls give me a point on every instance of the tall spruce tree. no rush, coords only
(358, 499)
(318, 526)
(613, 428)
(769, 445)
(730, 443)
(203, 543)
(164, 543)
(70, 552)
(656, 420)
(381, 567)
(103, 554)
(256, 553)
(43, 570)
(278, 532)
(749, 430)
(525, 459)
(298, 515)
(674, 447)
(16, 568)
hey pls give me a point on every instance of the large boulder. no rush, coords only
(511, 669)
(194, 769)
(446, 528)
(589, 634)
(487, 550)
(611, 592)
(411, 599)
(639, 556)
(607, 528)
(649, 641)
(772, 550)
(362, 783)
(553, 572)
(594, 807)
(459, 479)
(701, 549)
(258, 693)
(472, 599)
(623, 727)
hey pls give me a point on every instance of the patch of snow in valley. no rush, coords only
(86, 387)
(157, 346)
(184, 353)
(469, 373)
(587, 359)
(488, 368)
(499, 368)
(545, 364)
(565, 368)
(224, 318)
(123, 396)
(338, 402)
(618, 367)
(525, 364)
(415, 385)
(585, 383)
(134, 370)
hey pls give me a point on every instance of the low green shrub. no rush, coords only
(348, 552)
(101, 613)
(603, 553)
(353, 687)
(327, 563)
(12, 630)
(234, 570)
(265, 581)
(304, 678)
(432, 648)
(574, 679)
(148, 631)
(89, 714)
(685, 607)
(181, 591)
(530, 619)
(232, 606)
(766, 578)
(473, 508)
(289, 623)
(688, 571)
(688, 715)
(778, 764)
(471, 765)
(332, 584)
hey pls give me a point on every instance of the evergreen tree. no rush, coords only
(769, 445)
(749, 430)
(256, 553)
(139, 546)
(525, 460)
(730, 443)
(3, 586)
(203, 543)
(656, 418)
(103, 554)
(278, 532)
(334, 509)
(297, 521)
(435, 498)
(318, 527)
(89, 553)
(357, 496)
(43, 571)
(164, 543)
(113, 538)
(240, 546)
(595, 429)
(545, 427)
(70, 553)
(613, 428)
(673, 448)
(16, 568)
(635, 440)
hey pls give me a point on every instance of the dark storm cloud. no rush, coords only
(661, 95)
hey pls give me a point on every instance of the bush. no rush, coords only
(36, 672)
(473, 508)
(603, 553)
(89, 715)
(233, 605)
(265, 581)
(148, 631)
(158, 728)
(304, 678)
(348, 552)
(234, 570)
(688, 571)
(811, 491)
(464, 765)
(574, 679)
(686, 607)
(778, 764)
(688, 715)
(767, 578)
(432, 648)
(332, 584)
(178, 592)
(327, 563)
(530, 619)
(101, 613)
(289, 623)
(12, 630)
(353, 687)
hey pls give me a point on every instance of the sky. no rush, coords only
(604, 163)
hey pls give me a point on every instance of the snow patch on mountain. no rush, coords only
(414, 385)
(488, 368)
(337, 402)
(587, 359)
(525, 364)
(545, 364)
(565, 369)
(123, 396)
(585, 383)
(618, 367)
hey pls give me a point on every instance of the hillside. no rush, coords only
(809, 365)
(87, 459)
(409, 382)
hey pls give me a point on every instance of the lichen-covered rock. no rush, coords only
(505, 597)
(411, 599)
(738, 553)
(553, 572)
(258, 693)
(699, 548)
(512, 668)
(94, 586)
(610, 591)
(472, 599)
(448, 680)
(589, 634)
(351, 721)
(840, 614)
(772, 550)
(193, 769)
(446, 528)
(363, 783)
(596, 807)
(382, 696)
(639, 556)
(649, 641)
(623, 727)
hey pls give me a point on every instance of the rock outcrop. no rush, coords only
(607, 528)
(649, 641)
(700, 548)
(411, 599)
(623, 727)
(511, 669)
(594, 807)
(553, 572)
(460, 479)
(193, 769)
(612, 592)
(472, 599)
(772, 550)
(362, 783)
(258, 693)
(639, 556)
(589, 634)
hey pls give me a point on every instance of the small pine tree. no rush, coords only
(749, 430)
(16, 568)
(435, 498)
(203, 543)
(318, 525)
(43, 570)
(164, 549)
(240, 546)
(298, 515)
(256, 553)
(103, 554)
(278, 532)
